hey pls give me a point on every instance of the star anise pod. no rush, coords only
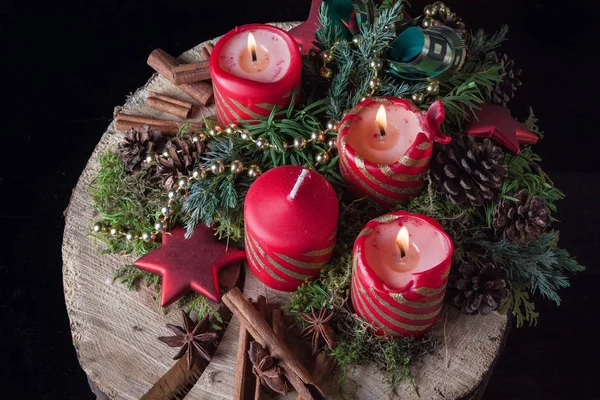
(318, 326)
(264, 367)
(193, 340)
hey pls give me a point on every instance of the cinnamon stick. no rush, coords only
(125, 122)
(260, 330)
(188, 73)
(169, 105)
(242, 363)
(261, 307)
(163, 63)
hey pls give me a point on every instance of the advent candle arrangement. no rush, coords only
(401, 263)
(254, 68)
(291, 216)
(385, 147)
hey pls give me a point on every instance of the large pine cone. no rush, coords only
(137, 145)
(522, 221)
(184, 156)
(468, 171)
(504, 91)
(480, 287)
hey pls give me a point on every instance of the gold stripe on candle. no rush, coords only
(364, 232)
(257, 260)
(247, 111)
(424, 146)
(425, 291)
(333, 235)
(414, 162)
(445, 274)
(319, 253)
(416, 304)
(416, 317)
(386, 218)
(360, 163)
(300, 264)
(345, 125)
(226, 104)
(375, 322)
(278, 266)
(387, 171)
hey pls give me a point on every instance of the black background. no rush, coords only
(64, 65)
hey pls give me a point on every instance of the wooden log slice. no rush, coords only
(114, 330)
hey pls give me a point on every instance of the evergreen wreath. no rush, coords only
(341, 71)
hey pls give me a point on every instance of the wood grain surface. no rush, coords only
(114, 330)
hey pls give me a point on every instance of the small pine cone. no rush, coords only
(468, 171)
(451, 21)
(504, 91)
(480, 287)
(184, 156)
(522, 221)
(137, 145)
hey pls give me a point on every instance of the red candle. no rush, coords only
(254, 68)
(290, 216)
(401, 263)
(385, 148)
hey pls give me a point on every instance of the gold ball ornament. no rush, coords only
(322, 158)
(231, 129)
(332, 125)
(254, 171)
(245, 135)
(98, 227)
(149, 157)
(327, 57)
(114, 231)
(441, 7)
(199, 173)
(215, 131)
(217, 167)
(183, 183)
(326, 73)
(332, 143)
(317, 136)
(433, 88)
(173, 194)
(129, 236)
(375, 83)
(236, 167)
(262, 143)
(376, 64)
(166, 211)
(429, 10)
(357, 40)
(417, 98)
(166, 153)
(299, 143)
(148, 237)
(160, 226)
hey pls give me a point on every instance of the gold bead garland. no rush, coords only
(217, 167)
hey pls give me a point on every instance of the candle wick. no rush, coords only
(381, 131)
(402, 251)
(253, 51)
(296, 187)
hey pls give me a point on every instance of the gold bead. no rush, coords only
(149, 157)
(332, 143)
(215, 131)
(254, 171)
(317, 136)
(236, 167)
(322, 158)
(173, 194)
(160, 226)
(427, 22)
(376, 64)
(130, 236)
(326, 73)
(245, 135)
(195, 139)
(217, 167)
(299, 143)
(375, 83)
(98, 227)
(231, 129)
(429, 10)
(148, 237)
(356, 40)
(417, 98)
(114, 231)
(332, 125)
(262, 143)
(441, 7)
(166, 211)
(433, 88)
(327, 57)
(182, 183)
(364, 98)
(199, 173)
(451, 16)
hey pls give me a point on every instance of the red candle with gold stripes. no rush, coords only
(290, 218)
(401, 263)
(254, 68)
(385, 146)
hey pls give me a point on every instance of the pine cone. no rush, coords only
(137, 145)
(451, 21)
(522, 221)
(468, 171)
(184, 156)
(505, 90)
(481, 287)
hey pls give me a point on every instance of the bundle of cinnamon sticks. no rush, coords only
(190, 78)
(254, 324)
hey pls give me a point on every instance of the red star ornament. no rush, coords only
(304, 34)
(496, 123)
(189, 264)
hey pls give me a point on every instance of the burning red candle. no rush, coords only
(385, 148)
(401, 263)
(290, 216)
(254, 68)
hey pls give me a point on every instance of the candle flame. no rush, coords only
(403, 241)
(252, 46)
(381, 120)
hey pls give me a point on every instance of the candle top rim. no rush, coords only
(294, 69)
(378, 283)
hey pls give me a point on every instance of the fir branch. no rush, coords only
(540, 266)
(198, 304)
(519, 305)
(130, 276)
(480, 43)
